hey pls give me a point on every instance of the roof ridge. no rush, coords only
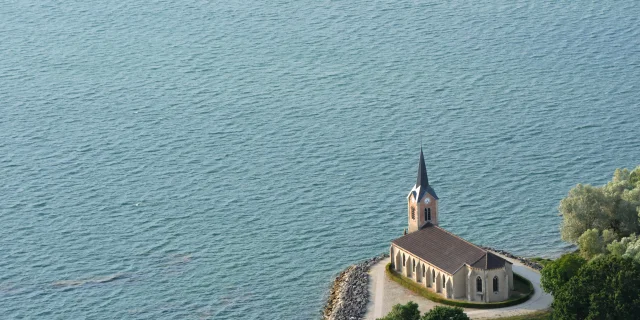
(477, 247)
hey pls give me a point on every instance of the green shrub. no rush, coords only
(558, 272)
(445, 313)
(407, 311)
(410, 311)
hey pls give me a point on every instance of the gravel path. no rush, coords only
(385, 293)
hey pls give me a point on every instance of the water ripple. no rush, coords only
(224, 160)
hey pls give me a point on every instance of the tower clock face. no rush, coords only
(427, 200)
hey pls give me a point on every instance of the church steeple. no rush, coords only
(423, 179)
(422, 200)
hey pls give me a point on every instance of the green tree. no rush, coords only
(445, 313)
(581, 210)
(591, 244)
(608, 236)
(556, 273)
(407, 311)
(634, 176)
(633, 251)
(614, 206)
(619, 247)
(607, 287)
(624, 195)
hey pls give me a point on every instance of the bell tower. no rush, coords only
(422, 200)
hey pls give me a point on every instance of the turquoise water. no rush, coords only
(224, 160)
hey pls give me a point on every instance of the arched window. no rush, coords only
(424, 271)
(495, 284)
(443, 281)
(478, 284)
(414, 264)
(404, 262)
(433, 274)
(427, 213)
(413, 213)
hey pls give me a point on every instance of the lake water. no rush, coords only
(226, 159)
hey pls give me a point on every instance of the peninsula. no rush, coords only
(432, 266)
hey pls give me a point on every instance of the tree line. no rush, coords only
(601, 280)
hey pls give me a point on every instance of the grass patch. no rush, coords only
(542, 261)
(523, 290)
(521, 286)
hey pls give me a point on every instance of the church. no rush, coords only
(442, 261)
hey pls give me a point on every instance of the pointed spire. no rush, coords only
(423, 180)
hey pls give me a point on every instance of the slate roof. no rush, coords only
(423, 180)
(424, 191)
(446, 250)
(489, 261)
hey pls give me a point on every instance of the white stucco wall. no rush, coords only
(488, 294)
(459, 284)
(509, 269)
(427, 281)
(462, 284)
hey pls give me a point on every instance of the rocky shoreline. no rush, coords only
(525, 261)
(349, 294)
